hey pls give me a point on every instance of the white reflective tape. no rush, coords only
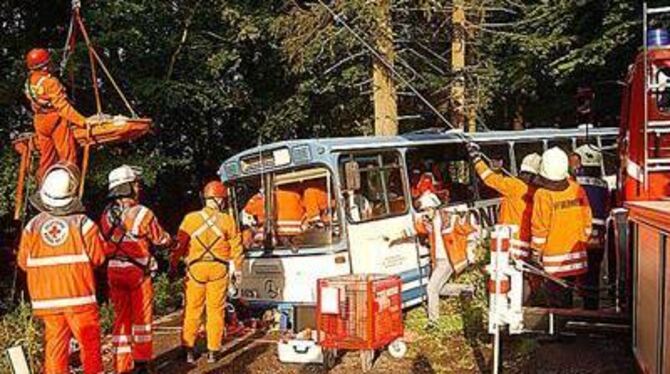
(138, 221)
(142, 338)
(87, 226)
(598, 221)
(118, 263)
(587, 232)
(56, 260)
(519, 253)
(208, 224)
(519, 243)
(565, 257)
(63, 303)
(122, 350)
(565, 268)
(141, 328)
(538, 240)
(485, 174)
(634, 170)
(121, 339)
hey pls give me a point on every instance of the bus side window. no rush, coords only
(499, 159)
(381, 192)
(564, 144)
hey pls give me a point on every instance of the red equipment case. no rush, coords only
(368, 316)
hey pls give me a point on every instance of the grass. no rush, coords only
(19, 327)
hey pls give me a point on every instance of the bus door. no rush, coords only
(380, 224)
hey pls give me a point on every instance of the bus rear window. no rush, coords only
(301, 214)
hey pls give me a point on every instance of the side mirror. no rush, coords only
(352, 175)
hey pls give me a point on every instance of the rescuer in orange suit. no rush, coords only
(52, 112)
(58, 251)
(213, 249)
(517, 193)
(315, 199)
(560, 225)
(131, 230)
(290, 211)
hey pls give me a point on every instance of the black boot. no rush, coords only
(143, 367)
(211, 357)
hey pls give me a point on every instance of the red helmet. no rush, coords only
(214, 189)
(37, 58)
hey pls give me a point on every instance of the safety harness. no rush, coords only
(116, 215)
(207, 255)
(44, 105)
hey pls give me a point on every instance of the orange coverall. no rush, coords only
(210, 241)
(52, 113)
(59, 254)
(290, 212)
(516, 207)
(315, 199)
(561, 227)
(455, 232)
(131, 233)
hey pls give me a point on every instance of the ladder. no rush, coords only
(653, 162)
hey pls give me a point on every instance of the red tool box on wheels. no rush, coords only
(360, 312)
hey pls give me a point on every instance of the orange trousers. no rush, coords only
(59, 328)
(131, 293)
(55, 141)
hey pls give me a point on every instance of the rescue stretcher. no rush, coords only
(103, 129)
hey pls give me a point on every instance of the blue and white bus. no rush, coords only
(369, 207)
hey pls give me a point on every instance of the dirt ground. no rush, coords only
(458, 345)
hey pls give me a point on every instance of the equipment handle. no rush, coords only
(300, 351)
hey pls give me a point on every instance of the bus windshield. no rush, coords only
(301, 213)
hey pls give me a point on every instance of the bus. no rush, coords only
(366, 213)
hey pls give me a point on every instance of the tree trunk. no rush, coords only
(384, 91)
(458, 65)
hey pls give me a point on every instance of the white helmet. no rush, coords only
(554, 165)
(59, 187)
(123, 174)
(429, 200)
(589, 155)
(531, 163)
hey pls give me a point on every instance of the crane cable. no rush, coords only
(458, 132)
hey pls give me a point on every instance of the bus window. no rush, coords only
(499, 159)
(523, 149)
(381, 192)
(564, 144)
(449, 168)
(303, 210)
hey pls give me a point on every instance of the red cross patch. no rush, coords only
(54, 232)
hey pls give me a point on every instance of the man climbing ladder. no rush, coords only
(53, 112)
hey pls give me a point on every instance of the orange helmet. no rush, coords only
(214, 189)
(37, 58)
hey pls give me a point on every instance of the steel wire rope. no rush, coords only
(458, 132)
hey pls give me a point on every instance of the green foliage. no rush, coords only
(168, 296)
(106, 318)
(19, 327)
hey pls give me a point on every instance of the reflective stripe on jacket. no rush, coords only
(47, 95)
(598, 194)
(516, 207)
(561, 226)
(58, 255)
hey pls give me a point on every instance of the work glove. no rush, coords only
(474, 151)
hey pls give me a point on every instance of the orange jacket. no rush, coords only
(316, 203)
(290, 212)
(47, 95)
(131, 232)
(256, 207)
(516, 207)
(208, 235)
(455, 232)
(561, 226)
(58, 254)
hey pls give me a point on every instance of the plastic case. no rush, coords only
(299, 352)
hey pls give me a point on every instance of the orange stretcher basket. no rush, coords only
(103, 129)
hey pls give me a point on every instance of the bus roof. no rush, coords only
(311, 150)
